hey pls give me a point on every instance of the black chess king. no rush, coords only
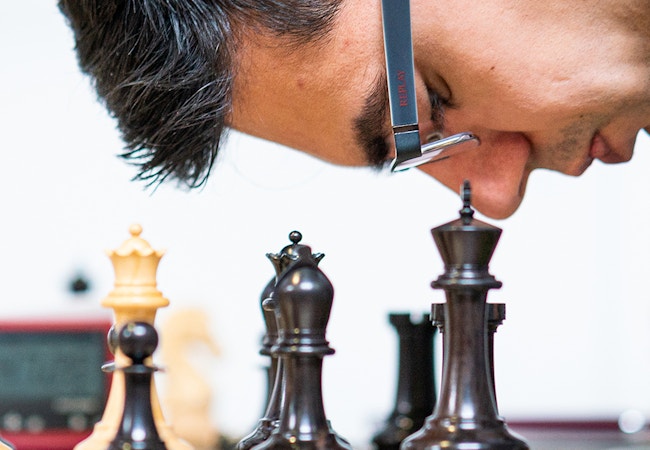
(466, 415)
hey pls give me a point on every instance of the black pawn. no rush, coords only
(466, 414)
(416, 395)
(302, 299)
(137, 431)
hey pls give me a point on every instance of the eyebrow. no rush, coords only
(370, 125)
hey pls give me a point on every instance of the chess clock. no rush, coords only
(52, 389)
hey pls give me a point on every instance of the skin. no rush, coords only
(550, 85)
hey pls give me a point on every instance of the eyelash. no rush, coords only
(438, 105)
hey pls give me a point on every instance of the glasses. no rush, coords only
(396, 18)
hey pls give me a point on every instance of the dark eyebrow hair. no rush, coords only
(370, 124)
(371, 127)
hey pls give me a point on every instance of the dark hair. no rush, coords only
(164, 69)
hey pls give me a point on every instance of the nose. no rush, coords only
(498, 169)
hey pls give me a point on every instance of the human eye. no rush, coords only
(438, 104)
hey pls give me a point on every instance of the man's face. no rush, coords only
(551, 85)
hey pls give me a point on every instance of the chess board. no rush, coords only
(580, 436)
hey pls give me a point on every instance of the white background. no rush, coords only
(573, 259)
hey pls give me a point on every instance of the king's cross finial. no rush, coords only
(467, 213)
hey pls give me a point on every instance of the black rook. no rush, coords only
(416, 395)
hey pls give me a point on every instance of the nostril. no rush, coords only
(602, 150)
(599, 148)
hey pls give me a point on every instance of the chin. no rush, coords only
(493, 200)
(497, 190)
(498, 212)
(497, 202)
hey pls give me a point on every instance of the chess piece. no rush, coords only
(416, 394)
(465, 415)
(137, 430)
(188, 396)
(438, 317)
(303, 299)
(269, 420)
(269, 340)
(274, 326)
(496, 314)
(134, 297)
(6, 445)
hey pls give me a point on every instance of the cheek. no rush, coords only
(522, 99)
(516, 90)
(493, 103)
